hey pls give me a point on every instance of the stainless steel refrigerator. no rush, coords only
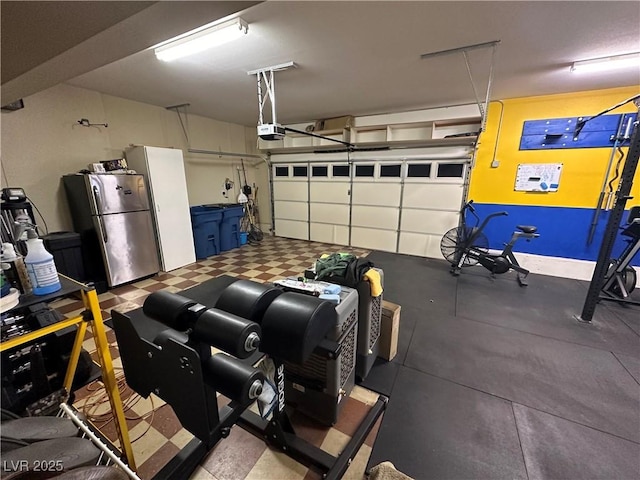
(111, 214)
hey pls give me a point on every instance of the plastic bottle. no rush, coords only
(5, 286)
(14, 269)
(40, 266)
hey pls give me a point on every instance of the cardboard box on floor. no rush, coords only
(389, 327)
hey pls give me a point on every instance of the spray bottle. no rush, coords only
(14, 269)
(40, 266)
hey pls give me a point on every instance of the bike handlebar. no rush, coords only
(469, 206)
(495, 214)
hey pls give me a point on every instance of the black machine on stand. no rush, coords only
(165, 349)
(16, 211)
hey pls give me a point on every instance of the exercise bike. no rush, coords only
(465, 245)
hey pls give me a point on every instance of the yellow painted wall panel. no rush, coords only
(583, 169)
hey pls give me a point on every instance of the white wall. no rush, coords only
(43, 141)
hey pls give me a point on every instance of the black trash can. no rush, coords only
(66, 248)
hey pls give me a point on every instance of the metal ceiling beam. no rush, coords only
(466, 48)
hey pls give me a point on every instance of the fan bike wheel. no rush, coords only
(629, 279)
(452, 245)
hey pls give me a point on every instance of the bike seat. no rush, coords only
(527, 228)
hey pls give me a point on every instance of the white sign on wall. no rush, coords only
(538, 177)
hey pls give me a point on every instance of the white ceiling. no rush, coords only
(364, 57)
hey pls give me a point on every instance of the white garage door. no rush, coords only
(329, 189)
(431, 200)
(375, 205)
(291, 200)
(398, 201)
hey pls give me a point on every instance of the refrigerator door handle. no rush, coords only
(96, 198)
(103, 230)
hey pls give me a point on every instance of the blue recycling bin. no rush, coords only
(230, 226)
(205, 221)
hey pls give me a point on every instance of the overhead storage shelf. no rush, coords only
(414, 134)
(331, 146)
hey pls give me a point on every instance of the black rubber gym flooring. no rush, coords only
(494, 381)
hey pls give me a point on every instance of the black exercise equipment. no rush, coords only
(225, 331)
(622, 195)
(165, 355)
(247, 299)
(465, 245)
(621, 278)
(294, 325)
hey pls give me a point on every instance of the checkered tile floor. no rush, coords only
(155, 431)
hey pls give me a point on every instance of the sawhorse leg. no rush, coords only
(91, 303)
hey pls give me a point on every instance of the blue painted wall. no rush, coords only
(563, 230)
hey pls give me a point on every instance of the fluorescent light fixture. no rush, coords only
(201, 39)
(608, 63)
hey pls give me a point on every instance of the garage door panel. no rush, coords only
(326, 192)
(420, 244)
(290, 191)
(292, 229)
(434, 222)
(433, 195)
(382, 194)
(374, 239)
(291, 210)
(375, 217)
(336, 234)
(334, 214)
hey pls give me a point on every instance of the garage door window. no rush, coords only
(282, 171)
(364, 170)
(300, 171)
(419, 170)
(450, 170)
(319, 171)
(340, 170)
(390, 170)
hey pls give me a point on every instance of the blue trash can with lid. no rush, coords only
(205, 221)
(230, 226)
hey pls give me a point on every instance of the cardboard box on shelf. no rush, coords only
(336, 123)
(389, 327)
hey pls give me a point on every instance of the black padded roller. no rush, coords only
(232, 378)
(168, 308)
(235, 335)
(247, 299)
(294, 325)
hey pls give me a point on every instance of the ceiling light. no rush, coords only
(201, 39)
(608, 63)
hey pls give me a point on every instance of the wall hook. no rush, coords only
(86, 123)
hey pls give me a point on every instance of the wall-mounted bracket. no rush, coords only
(86, 123)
